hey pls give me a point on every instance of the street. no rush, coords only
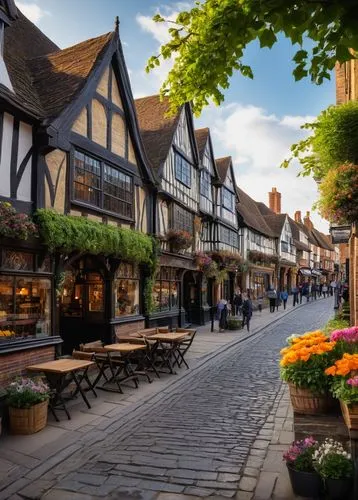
(193, 440)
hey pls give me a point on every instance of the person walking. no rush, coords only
(324, 290)
(229, 308)
(272, 295)
(237, 302)
(284, 297)
(259, 302)
(300, 292)
(246, 311)
(278, 300)
(222, 314)
(295, 295)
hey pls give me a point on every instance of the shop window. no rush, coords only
(166, 290)
(71, 297)
(17, 261)
(25, 307)
(95, 292)
(126, 286)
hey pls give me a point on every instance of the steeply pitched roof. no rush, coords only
(264, 209)
(201, 135)
(59, 77)
(223, 165)
(275, 223)
(322, 240)
(24, 41)
(156, 128)
(251, 214)
(46, 78)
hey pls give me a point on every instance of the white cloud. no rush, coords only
(258, 143)
(32, 11)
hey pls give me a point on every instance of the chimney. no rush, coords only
(298, 216)
(307, 221)
(275, 200)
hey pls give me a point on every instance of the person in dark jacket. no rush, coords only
(246, 311)
(295, 295)
(237, 302)
(272, 295)
(222, 314)
(284, 297)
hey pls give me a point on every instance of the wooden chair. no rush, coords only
(184, 346)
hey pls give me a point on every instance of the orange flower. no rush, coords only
(331, 370)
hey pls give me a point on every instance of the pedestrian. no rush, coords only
(222, 314)
(229, 308)
(314, 291)
(324, 290)
(272, 295)
(333, 287)
(284, 297)
(237, 302)
(320, 289)
(295, 295)
(246, 311)
(278, 300)
(259, 302)
(300, 292)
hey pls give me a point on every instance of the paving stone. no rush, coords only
(261, 444)
(251, 471)
(217, 485)
(160, 486)
(244, 495)
(199, 492)
(193, 474)
(247, 483)
(36, 489)
(91, 479)
(226, 477)
(265, 485)
(58, 494)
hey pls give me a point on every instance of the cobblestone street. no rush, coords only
(192, 440)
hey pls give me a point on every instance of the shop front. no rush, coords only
(99, 297)
(260, 280)
(26, 308)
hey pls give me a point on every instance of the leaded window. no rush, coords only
(229, 237)
(182, 170)
(205, 184)
(102, 185)
(228, 199)
(182, 219)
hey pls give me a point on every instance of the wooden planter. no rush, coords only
(350, 415)
(305, 402)
(28, 420)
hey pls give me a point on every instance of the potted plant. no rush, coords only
(305, 480)
(302, 365)
(27, 399)
(335, 466)
(234, 323)
(345, 387)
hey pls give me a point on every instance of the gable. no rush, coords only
(229, 180)
(182, 137)
(208, 160)
(103, 119)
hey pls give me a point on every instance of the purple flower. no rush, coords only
(353, 381)
(349, 335)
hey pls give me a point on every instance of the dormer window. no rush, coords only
(182, 170)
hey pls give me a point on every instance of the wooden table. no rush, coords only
(169, 348)
(59, 374)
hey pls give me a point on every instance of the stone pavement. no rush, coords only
(203, 432)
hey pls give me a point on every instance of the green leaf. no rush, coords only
(267, 38)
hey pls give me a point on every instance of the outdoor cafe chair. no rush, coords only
(104, 362)
(184, 346)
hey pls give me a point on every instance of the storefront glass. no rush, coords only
(126, 286)
(25, 307)
(166, 290)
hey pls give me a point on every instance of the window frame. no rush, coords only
(102, 194)
(231, 208)
(179, 174)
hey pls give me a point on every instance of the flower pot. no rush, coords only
(305, 484)
(350, 415)
(28, 420)
(337, 489)
(306, 402)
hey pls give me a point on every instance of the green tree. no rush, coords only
(209, 42)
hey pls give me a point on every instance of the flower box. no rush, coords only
(350, 415)
(28, 420)
(305, 402)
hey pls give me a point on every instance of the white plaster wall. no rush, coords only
(25, 143)
(6, 155)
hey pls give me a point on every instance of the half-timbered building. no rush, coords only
(70, 143)
(172, 149)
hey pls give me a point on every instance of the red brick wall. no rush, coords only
(14, 364)
(127, 328)
(341, 83)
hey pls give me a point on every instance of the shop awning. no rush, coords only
(305, 272)
(315, 272)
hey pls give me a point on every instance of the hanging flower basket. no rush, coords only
(15, 225)
(179, 240)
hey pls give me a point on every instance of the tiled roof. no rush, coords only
(264, 209)
(59, 77)
(251, 214)
(275, 222)
(43, 76)
(156, 128)
(322, 240)
(24, 41)
(201, 135)
(223, 164)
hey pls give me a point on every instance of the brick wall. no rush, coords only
(127, 328)
(14, 364)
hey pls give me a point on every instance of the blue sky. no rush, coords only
(259, 120)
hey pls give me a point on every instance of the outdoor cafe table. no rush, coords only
(123, 364)
(59, 374)
(169, 343)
